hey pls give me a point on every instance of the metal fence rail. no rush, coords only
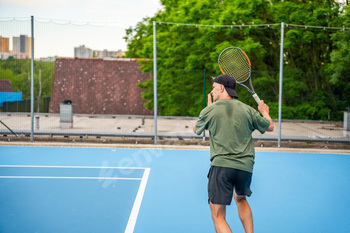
(48, 125)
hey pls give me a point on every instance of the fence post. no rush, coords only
(280, 86)
(32, 83)
(204, 95)
(204, 88)
(155, 80)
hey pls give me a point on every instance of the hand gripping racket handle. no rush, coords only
(257, 99)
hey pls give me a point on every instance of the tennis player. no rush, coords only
(231, 123)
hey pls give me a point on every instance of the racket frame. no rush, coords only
(251, 90)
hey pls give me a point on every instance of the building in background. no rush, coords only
(22, 45)
(84, 52)
(4, 44)
(108, 54)
(16, 55)
(4, 47)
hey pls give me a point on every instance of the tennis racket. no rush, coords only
(235, 62)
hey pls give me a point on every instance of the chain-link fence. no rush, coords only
(83, 87)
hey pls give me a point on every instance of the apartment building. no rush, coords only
(23, 45)
(84, 52)
(4, 44)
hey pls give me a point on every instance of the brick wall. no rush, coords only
(98, 86)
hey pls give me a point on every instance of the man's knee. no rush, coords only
(239, 198)
(217, 211)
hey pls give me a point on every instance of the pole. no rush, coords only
(32, 83)
(280, 87)
(204, 88)
(155, 80)
(204, 95)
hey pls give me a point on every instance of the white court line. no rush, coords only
(40, 166)
(137, 204)
(138, 200)
(67, 177)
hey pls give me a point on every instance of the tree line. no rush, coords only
(18, 71)
(316, 59)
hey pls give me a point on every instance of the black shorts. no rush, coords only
(221, 182)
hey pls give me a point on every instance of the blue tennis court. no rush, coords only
(81, 189)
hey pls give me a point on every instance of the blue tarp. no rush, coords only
(9, 97)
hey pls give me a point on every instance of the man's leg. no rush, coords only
(244, 212)
(218, 214)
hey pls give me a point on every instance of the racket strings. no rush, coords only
(235, 63)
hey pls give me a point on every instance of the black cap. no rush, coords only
(229, 83)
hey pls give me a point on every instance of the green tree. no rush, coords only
(339, 73)
(6, 73)
(18, 71)
(188, 46)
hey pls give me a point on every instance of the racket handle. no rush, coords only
(257, 99)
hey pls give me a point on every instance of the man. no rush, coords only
(230, 124)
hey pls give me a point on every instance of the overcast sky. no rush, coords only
(121, 11)
(121, 14)
(60, 39)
